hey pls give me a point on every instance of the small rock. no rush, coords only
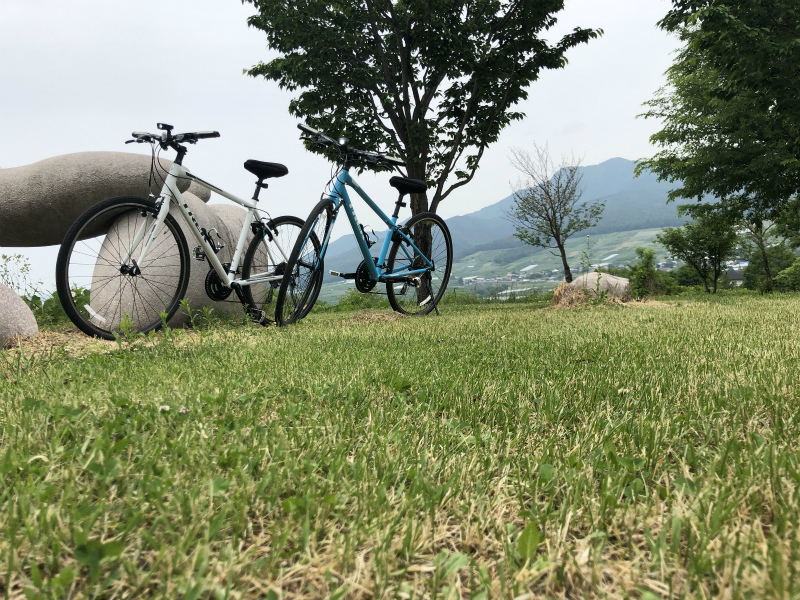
(16, 319)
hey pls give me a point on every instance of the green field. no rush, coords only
(498, 451)
(498, 262)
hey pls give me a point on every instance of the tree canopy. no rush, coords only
(704, 243)
(731, 110)
(433, 82)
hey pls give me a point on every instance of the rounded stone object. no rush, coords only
(198, 190)
(16, 319)
(39, 202)
(616, 288)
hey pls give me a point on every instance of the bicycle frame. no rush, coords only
(377, 271)
(169, 194)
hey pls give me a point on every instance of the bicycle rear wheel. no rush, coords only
(103, 296)
(268, 256)
(304, 271)
(422, 293)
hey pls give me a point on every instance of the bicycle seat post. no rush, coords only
(398, 205)
(259, 184)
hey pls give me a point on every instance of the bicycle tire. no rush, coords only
(422, 298)
(89, 260)
(257, 261)
(305, 270)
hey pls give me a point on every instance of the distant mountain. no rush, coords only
(632, 203)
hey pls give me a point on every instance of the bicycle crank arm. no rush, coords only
(389, 279)
(343, 275)
(262, 278)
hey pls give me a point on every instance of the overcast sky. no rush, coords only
(81, 75)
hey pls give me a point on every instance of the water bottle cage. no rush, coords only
(370, 241)
(396, 237)
(207, 237)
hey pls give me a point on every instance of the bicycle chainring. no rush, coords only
(363, 281)
(214, 287)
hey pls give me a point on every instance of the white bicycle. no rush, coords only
(125, 261)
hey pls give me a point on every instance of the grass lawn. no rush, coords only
(498, 451)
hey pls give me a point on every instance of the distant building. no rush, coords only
(736, 277)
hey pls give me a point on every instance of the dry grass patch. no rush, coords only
(71, 340)
(374, 316)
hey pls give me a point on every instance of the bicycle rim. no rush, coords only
(420, 295)
(303, 279)
(269, 256)
(98, 296)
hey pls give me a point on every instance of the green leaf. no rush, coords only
(454, 563)
(36, 575)
(219, 486)
(114, 548)
(528, 541)
(64, 578)
(89, 555)
(546, 472)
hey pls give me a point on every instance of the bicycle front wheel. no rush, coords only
(421, 293)
(267, 257)
(304, 271)
(102, 292)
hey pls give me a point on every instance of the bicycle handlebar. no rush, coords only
(167, 139)
(376, 158)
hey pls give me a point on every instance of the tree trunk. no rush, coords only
(567, 272)
(767, 272)
(419, 202)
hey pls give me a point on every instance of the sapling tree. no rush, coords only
(546, 209)
(704, 243)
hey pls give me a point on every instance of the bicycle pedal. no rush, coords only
(199, 254)
(342, 275)
(257, 316)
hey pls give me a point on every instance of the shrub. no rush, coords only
(645, 279)
(755, 273)
(788, 280)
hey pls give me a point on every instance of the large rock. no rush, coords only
(111, 305)
(203, 193)
(589, 285)
(16, 319)
(39, 202)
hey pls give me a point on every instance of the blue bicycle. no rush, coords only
(414, 261)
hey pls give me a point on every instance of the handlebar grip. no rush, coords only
(206, 134)
(393, 160)
(307, 129)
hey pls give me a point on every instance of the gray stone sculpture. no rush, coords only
(16, 319)
(39, 202)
